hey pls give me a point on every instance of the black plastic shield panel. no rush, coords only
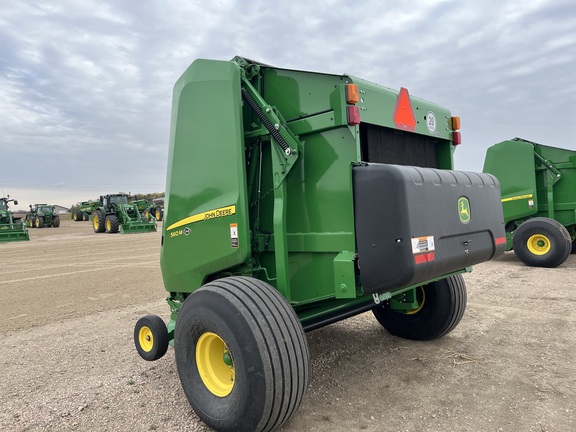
(414, 224)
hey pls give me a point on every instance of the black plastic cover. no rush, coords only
(414, 224)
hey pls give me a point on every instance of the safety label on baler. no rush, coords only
(422, 244)
(234, 235)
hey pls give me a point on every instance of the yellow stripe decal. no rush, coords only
(516, 198)
(210, 214)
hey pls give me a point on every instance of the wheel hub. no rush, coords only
(146, 339)
(215, 364)
(538, 244)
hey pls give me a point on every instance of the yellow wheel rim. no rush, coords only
(108, 225)
(95, 222)
(146, 338)
(215, 364)
(538, 244)
(37, 223)
(158, 214)
(420, 303)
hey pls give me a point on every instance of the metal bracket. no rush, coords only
(378, 298)
(285, 152)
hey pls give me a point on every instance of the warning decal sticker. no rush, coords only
(423, 244)
(234, 235)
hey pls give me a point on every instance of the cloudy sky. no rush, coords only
(85, 87)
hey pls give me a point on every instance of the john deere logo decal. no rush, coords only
(464, 210)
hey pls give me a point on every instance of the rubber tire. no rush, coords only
(85, 217)
(31, 222)
(573, 250)
(56, 222)
(441, 312)
(159, 214)
(560, 242)
(159, 336)
(99, 225)
(114, 224)
(268, 346)
(78, 216)
(39, 222)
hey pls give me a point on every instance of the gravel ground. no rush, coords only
(70, 299)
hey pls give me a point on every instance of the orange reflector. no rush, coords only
(403, 114)
(353, 114)
(456, 138)
(455, 123)
(352, 94)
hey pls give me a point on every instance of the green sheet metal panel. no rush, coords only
(561, 171)
(378, 105)
(512, 162)
(206, 225)
(319, 214)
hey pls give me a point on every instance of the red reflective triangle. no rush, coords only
(403, 114)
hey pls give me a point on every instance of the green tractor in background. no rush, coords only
(11, 228)
(115, 214)
(84, 210)
(147, 209)
(42, 215)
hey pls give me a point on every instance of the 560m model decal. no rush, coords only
(210, 214)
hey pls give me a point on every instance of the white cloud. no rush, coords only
(85, 87)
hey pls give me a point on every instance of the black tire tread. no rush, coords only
(160, 332)
(114, 223)
(556, 257)
(272, 320)
(270, 306)
(101, 222)
(457, 297)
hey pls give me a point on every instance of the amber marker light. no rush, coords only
(352, 94)
(455, 123)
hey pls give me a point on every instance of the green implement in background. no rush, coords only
(115, 214)
(11, 228)
(538, 185)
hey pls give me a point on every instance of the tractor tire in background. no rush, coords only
(151, 337)
(112, 224)
(30, 222)
(39, 222)
(159, 214)
(441, 305)
(56, 222)
(542, 242)
(98, 222)
(241, 354)
(77, 216)
(85, 216)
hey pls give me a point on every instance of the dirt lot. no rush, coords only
(69, 299)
